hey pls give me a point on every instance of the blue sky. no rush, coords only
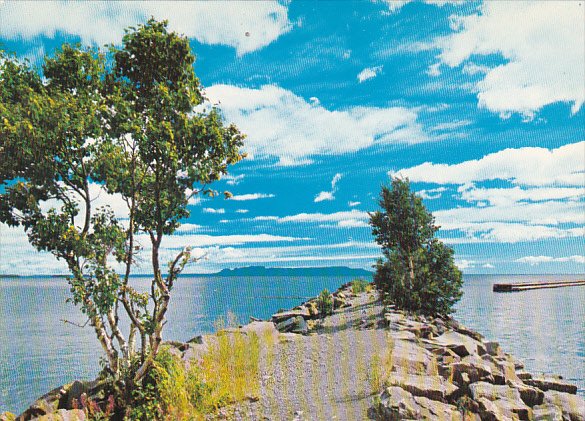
(479, 104)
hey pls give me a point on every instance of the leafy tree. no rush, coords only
(123, 122)
(417, 271)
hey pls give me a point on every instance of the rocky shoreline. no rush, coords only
(439, 370)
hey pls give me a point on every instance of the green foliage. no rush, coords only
(359, 285)
(325, 303)
(417, 272)
(119, 122)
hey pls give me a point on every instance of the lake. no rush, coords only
(38, 351)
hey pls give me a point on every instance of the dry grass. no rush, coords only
(381, 367)
(227, 373)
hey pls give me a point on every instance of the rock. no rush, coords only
(523, 375)
(493, 392)
(196, 340)
(255, 319)
(531, 396)
(285, 315)
(181, 346)
(461, 344)
(313, 309)
(409, 358)
(420, 329)
(493, 348)
(261, 329)
(547, 413)
(339, 302)
(502, 410)
(393, 318)
(573, 406)
(550, 383)
(397, 404)
(64, 415)
(295, 324)
(432, 387)
(402, 335)
(434, 410)
(468, 332)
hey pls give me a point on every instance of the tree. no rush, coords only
(122, 122)
(417, 273)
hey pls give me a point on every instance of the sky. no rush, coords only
(479, 104)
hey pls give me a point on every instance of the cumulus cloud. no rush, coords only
(369, 73)
(431, 194)
(526, 166)
(543, 200)
(213, 210)
(251, 196)
(233, 23)
(282, 125)
(544, 54)
(536, 260)
(329, 195)
(233, 180)
(353, 204)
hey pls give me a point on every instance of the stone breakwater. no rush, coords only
(321, 369)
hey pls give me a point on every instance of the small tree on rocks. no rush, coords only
(417, 272)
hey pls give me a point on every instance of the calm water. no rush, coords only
(546, 328)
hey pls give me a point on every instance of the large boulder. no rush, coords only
(295, 324)
(547, 412)
(64, 415)
(503, 410)
(427, 386)
(285, 315)
(434, 410)
(551, 383)
(462, 345)
(408, 357)
(573, 406)
(396, 403)
(492, 392)
(531, 396)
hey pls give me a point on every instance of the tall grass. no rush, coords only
(380, 367)
(228, 372)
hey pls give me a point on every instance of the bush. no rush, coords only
(325, 303)
(359, 285)
(417, 272)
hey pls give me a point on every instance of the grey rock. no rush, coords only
(573, 406)
(434, 410)
(432, 387)
(295, 324)
(462, 345)
(547, 412)
(397, 404)
(285, 315)
(550, 383)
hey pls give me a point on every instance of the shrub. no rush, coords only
(325, 303)
(417, 271)
(359, 285)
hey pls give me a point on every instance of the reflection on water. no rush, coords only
(545, 328)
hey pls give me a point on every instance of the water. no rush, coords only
(544, 328)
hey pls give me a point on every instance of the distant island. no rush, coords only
(308, 271)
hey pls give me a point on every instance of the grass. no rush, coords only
(360, 285)
(228, 372)
(380, 367)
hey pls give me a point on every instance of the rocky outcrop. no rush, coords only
(443, 370)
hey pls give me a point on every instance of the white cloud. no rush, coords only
(369, 73)
(282, 125)
(544, 199)
(188, 228)
(329, 195)
(251, 196)
(431, 194)
(326, 217)
(324, 195)
(536, 260)
(233, 23)
(242, 211)
(353, 204)
(544, 53)
(488, 266)
(233, 180)
(464, 264)
(352, 223)
(212, 210)
(526, 166)
(201, 240)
